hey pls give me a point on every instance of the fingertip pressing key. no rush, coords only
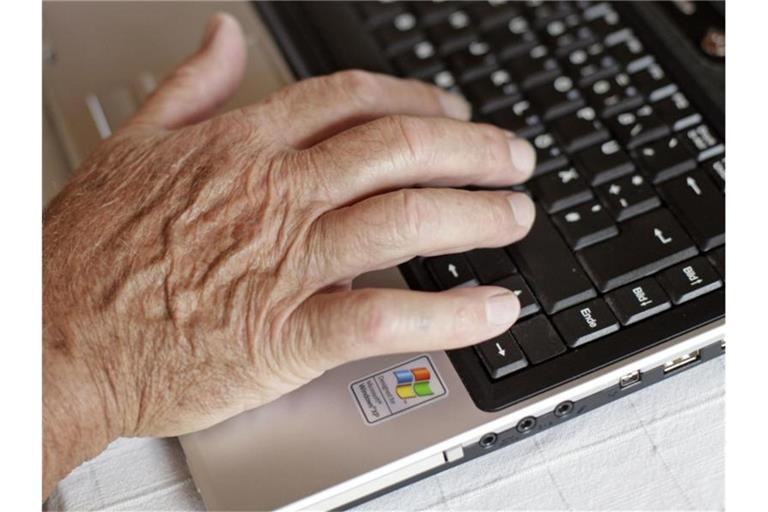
(522, 154)
(502, 308)
(523, 209)
(455, 106)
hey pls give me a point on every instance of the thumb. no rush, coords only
(203, 82)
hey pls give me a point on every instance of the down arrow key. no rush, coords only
(501, 355)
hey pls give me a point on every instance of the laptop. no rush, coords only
(621, 279)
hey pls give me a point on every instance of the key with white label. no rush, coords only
(699, 205)
(451, 271)
(579, 130)
(516, 284)
(646, 244)
(638, 301)
(690, 279)
(603, 162)
(501, 355)
(560, 189)
(585, 224)
(628, 196)
(585, 322)
(637, 127)
(665, 159)
(549, 154)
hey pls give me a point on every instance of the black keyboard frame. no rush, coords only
(314, 37)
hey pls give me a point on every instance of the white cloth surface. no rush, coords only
(661, 448)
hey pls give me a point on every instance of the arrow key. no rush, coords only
(501, 355)
(699, 205)
(516, 284)
(451, 271)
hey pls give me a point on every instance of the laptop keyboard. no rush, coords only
(629, 182)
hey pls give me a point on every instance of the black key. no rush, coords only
(549, 267)
(560, 189)
(645, 245)
(399, 34)
(579, 130)
(549, 155)
(568, 34)
(677, 112)
(630, 54)
(653, 83)
(419, 62)
(638, 301)
(602, 163)
(493, 91)
(430, 13)
(528, 304)
(542, 13)
(591, 64)
(717, 257)
(699, 205)
(514, 38)
(538, 339)
(665, 159)
(445, 80)
(585, 322)
(609, 96)
(377, 13)
(488, 15)
(702, 142)
(491, 264)
(689, 280)
(450, 271)
(585, 225)
(637, 127)
(628, 196)
(716, 170)
(452, 34)
(501, 356)
(602, 20)
(534, 67)
(519, 118)
(473, 61)
(556, 97)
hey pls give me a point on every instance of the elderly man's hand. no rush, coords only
(199, 266)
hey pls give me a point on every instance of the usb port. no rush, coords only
(682, 361)
(630, 379)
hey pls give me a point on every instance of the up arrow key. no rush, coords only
(694, 186)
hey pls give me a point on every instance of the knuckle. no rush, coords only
(362, 86)
(370, 323)
(408, 215)
(409, 134)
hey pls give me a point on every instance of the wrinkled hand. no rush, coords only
(199, 266)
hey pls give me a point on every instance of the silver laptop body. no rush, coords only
(329, 443)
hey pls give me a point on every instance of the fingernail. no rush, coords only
(212, 28)
(523, 208)
(523, 156)
(455, 106)
(502, 309)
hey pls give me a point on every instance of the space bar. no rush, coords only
(646, 245)
(549, 266)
